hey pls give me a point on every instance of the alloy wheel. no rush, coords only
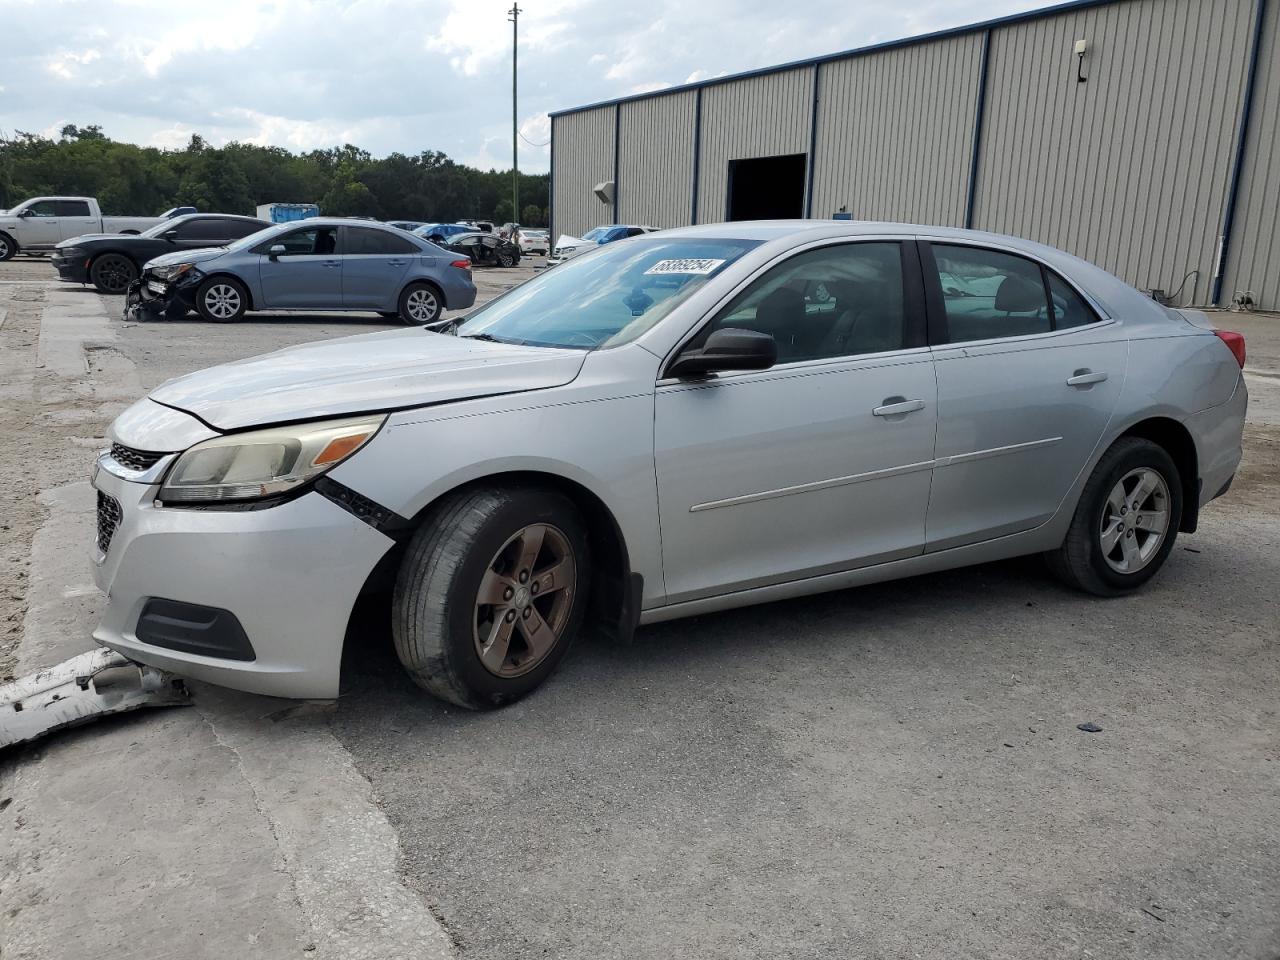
(113, 274)
(421, 305)
(1135, 520)
(4, 248)
(222, 301)
(524, 600)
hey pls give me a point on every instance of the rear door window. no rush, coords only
(206, 230)
(987, 294)
(366, 241)
(73, 208)
(1069, 308)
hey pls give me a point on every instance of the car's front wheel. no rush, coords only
(8, 249)
(491, 594)
(420, 303)
(506, 258)
(222, 300)
(1126, 521)
(112, 273)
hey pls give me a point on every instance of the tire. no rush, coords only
(450, 643)
(505, 259)
(1104, 517)
(112, 273)
(222, 300)
(8, 247)
(420, 303)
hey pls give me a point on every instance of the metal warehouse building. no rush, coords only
(1153, 153)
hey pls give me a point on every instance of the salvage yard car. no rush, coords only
(112, 261)
(315, 264)
(484, 249)
(567, 247)
(798, 406)
(41, 223)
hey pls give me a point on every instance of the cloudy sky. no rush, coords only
(401, 75)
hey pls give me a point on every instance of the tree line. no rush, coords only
(345, 181)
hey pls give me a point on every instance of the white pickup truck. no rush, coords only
(41, 223)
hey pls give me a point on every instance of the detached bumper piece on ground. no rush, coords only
(94, 684)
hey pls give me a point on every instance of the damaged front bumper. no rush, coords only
(94, 684)
(150, 299)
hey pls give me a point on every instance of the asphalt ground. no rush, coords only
(890, 771)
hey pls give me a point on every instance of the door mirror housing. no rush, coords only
(276, 251)
(171, 233)
(728, 349)
(27, 212)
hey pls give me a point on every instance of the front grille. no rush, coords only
(109, 514)
(134, 459)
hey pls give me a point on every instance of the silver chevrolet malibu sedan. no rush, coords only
(675, 424)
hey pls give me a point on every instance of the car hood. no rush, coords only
(364, 374)
(187, 256)
(86, 237)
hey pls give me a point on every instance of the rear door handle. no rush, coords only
(333, 263)
(1085, 377)
(893, 406)
(396, 263)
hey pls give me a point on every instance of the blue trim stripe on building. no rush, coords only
(813, 145)
(855, 52)
(978, 117)
(1237, 165)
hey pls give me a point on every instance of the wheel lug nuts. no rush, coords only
(511, 615)
(508, 593)
(524, 576)
(534, 588)
(527, 611)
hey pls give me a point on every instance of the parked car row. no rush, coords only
(568, 247)
(41, 223)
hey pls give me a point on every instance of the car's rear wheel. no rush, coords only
(221, 300)
(505, 259)
(420, 303)
(1126, 522)
(112, 273)
(8, 249)
(491, 594)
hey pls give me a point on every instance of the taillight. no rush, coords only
(1234, 342)
(461, 264)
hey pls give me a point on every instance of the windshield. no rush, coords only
(606, 298)
(597, 234)
(261, 235)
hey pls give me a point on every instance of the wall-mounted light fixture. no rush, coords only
(1082, 47)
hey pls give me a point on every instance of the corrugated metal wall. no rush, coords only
(1130, 169)
(583, 154)
(895, 133)
(755, 117)
(1254, 260)
(655, 170)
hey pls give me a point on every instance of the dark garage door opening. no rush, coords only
(767, 188)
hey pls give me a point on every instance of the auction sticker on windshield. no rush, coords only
(691, 266)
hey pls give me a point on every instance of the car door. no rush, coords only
(40, 226)
(820, 463)
(1028, 376)
(374, 262)
(307, 274)
(75, 219)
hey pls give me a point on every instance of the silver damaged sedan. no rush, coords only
(674, 424)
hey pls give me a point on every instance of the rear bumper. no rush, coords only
(287, 577)
(1218, 434)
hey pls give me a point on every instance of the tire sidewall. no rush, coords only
(403, 305)
(1144, 454)
(213, 281)
(10, 248)
(517, 511)
(108, 258)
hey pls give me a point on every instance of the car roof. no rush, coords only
(183, 217)
(336, 222)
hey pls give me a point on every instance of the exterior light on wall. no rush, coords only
(1082, 47)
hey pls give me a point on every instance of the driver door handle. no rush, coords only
(1084, 377)
(893, 406)
(333, 263)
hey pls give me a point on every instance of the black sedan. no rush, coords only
(484, 249)
(112, 261)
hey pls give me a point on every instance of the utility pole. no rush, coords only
(514, 17)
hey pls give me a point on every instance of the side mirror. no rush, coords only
(727, 349)
(28, 212)
(171, 233)
(276, 251)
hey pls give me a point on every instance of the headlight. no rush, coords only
(564, 250)
(264, 463)
(172, 271)
(71, 252)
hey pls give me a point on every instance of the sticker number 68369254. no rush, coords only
(695, 266)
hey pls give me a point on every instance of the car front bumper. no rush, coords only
(148, 299)
(288, 576)
(72, 269)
